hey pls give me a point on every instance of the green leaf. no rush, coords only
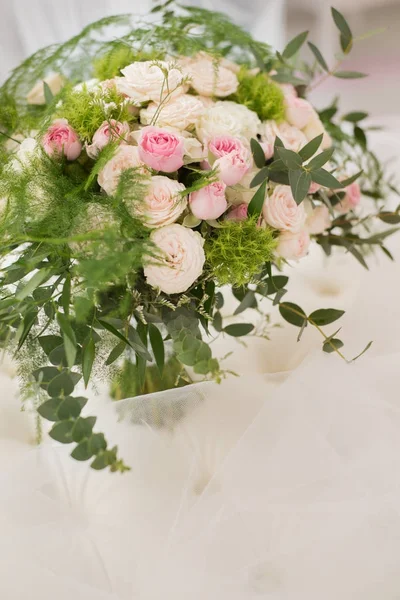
(360, 136)
(318, 161)
(300, 184)
(305, 323)
(66, 294)
(349, 74)
(82, 451)
(280, 177)
(367, 347)
(97, 443)
(49, 342)
(239, 329)
(355, 117)
(310, 149)
(318, 56)
(273, 285)
(62, 385)
(48, 94)
(48, 410)
(217, 322)
(157, 345)
(290, 159)
(32, 284)
(249, 301)
(350, 180)
(45, 375)
(69, 338)
(57, 356)
(83, 428)
(388, 217)
(346, 36)
(62, 432)
(260, 177)
(137, 344)
(294, 45)
(287, 77)
(292, 313)
(325, 316)
(332, 345)
(115, 353)
(326, 179)
(114, 331)
(88, 355)
(257, 201)
(101, 462)
(28, 323)
(258, 153)
(71, 407)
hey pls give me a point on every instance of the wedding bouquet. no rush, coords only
(143, 172)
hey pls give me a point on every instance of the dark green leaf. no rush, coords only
(367, 347)
(62, 432)
(349, 74)
(277, 165)
(115, 353)
(350, 180)
(260, 177)
(157, 345)
(294, 45)
(32, 284)
(69, 338)
(325, 316)
(284, 76)
(48, 410)
(318, 161)
(137, 344)
(57, 356)
(239, 329)
(217, 322)
(290, 159)
(28, 323)
(279, 177)
(45, 375)
(310, 149)
(326, 179)
(355, 117)
(258, 153)
(88, 354)
(273, 285)
(82, 451)
(292, 313)
(66, 295)
(388, 217)
(71, 408)
(302, 330)
(346, 35)
(257, 201)
(83, 428)
(62, 385)
(249, 301)
(300, 184)
(100, 462)
(318, 56)
(360, 136)
(332, 345)
(97, 442)
(49, 342)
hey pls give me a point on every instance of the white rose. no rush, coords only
(89, 85)
(36, 95)
(314, 128)
(181, 261)
(242, 193)
(209, 77)
(27, 150)
(163, 203)
(292, 138)
(126, 157)
(228, 118)
(180, 112)
(318, 219)
(293, 246)
(149, 80)
(281, 211)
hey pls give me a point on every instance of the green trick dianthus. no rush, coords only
(237, 251)
(261, 95)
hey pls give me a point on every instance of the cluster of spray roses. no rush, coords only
(183, 118)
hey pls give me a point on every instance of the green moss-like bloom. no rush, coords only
(261, 95)
(110, 64)
(237, 251)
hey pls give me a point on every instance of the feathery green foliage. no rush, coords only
(121, 54)
(237, 251)
(260, 94)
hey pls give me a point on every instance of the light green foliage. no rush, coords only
(110, 64)
(260, 94)
(85, 110)
(237, 251)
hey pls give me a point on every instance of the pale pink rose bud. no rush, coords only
(281, 211)
(160, 149)
(60, 139)
(298, 111)
(318, 220)
(268, 149)
(108, 130)
(239, 213)
(232, 167)
(293, 246)
(209, 202)
(288, 89)
(314, 187)
(351, 200)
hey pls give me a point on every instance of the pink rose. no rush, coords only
(351, 200)
(209, 202)
(163, 204)
(318, 220)
(125, 157)
(268, 149)
(60, 139)
(232, 167)
(239, 213)
(109, 130)
(314, 187)
(225, 144)
(298, 111)
(160, 149)
(293, 246)
(281, 211)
